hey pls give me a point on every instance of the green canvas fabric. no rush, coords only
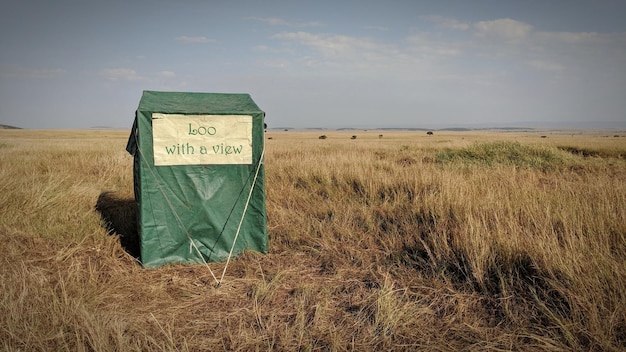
(204, 203)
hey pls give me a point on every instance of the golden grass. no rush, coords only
(456, 241)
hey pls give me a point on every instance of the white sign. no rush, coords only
(201, 139)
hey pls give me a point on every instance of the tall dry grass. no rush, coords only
(456, 241)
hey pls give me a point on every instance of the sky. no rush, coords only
(74, 64)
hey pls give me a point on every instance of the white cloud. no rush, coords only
(120, 74)
(273, 50)
(450, 23)
(336, 45)
(583, 37)
(422, 46)
(482, 54)
(377, 28)
(505, 28)
(546, 65)
(272, 21)
(166, 74)
(365, 56)
(275, 64)
(161, 79)
(196, 39)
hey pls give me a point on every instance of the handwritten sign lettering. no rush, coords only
(201, 139)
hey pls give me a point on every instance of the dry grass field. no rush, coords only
(474, 241)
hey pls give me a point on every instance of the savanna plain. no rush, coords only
(391, 241)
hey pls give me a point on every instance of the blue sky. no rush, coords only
(366, 64)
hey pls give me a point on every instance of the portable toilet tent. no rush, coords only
(198, 176)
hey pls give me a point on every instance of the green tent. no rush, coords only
(198, 176)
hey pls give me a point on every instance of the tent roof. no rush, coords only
(197, 103)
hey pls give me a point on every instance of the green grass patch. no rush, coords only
(506, 153)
